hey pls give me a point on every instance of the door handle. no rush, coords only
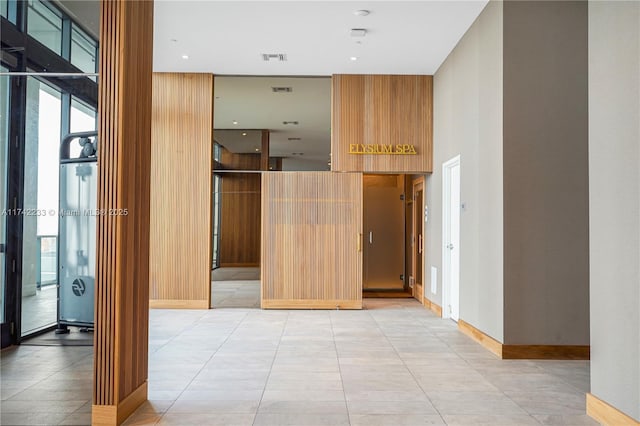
(450, 246)
(359, 242)
(370, 237)
(420, 243)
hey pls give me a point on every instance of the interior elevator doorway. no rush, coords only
(384, 236)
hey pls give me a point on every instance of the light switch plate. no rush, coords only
(434, 280)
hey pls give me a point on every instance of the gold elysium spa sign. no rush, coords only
(380, 149)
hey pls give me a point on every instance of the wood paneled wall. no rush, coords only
(311, 240)
(122, 252)
(182, 191)
(382, 109)
(240, 219)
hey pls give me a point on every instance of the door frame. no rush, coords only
(446, 226)
(417, 223)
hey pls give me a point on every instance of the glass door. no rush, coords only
(40, 217)
(4, 169)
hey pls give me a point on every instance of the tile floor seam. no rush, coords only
(203, 365)
(486, 377)
(179, 332)
(410, 372)
(275, 355)
(335, 346)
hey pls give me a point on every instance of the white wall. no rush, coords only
(468, 121)
(614, 202)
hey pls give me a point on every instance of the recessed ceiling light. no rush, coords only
(235, 122)
(257, 149)
(185, 56)
(353, 58)
(358, 32)
(361, 12)
(244, 133)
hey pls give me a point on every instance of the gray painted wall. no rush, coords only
(468, 121)
(614, 171)
(546, 176)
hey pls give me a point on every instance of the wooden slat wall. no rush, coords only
(311, 223)
(122, 264)
(181, 195)
(382, 109)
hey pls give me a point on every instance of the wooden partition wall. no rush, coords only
(382, 123)
(312, 240)
(122, 252)
(181, 191)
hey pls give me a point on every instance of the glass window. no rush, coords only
(45, 25)
(4, 9)
(83, 119)
(4, 137)
(40, 229)
(83, 50)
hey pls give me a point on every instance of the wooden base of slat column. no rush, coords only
(111, 415)
(607, 414)
(178, 304)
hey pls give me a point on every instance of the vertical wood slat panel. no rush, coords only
(124, 124)
(382, 109)
(181, 195)
(311, 223)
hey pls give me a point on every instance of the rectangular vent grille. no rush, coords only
(287, 123)
(294, 139)
(274, 57)
(282, 89)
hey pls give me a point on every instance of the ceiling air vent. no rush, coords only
(292, 123)
(274, 57)
(294, 139)
(282, 89)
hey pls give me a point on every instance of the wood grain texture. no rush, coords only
(106, 414)
(546, 352)
(419, 239)
(311, 233)
(124, 169)
(181, 196)
(607, 414)
(488, 342)
(382, 109)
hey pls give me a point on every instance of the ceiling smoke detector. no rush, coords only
(277, 57)
(358, 32)
(282, 89)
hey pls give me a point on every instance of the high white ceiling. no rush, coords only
(229, 37)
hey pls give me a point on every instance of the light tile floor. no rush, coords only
(394, 363)
(235, 288)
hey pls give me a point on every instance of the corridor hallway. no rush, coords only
(393, 363)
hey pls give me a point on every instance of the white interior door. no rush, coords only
(451, 238)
